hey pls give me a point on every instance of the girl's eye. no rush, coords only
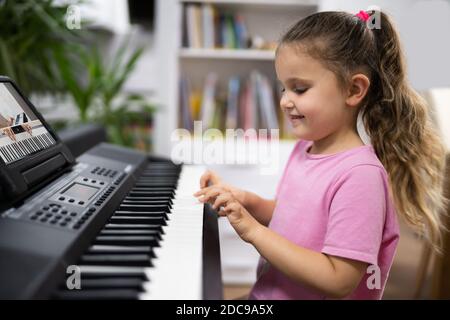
(282, 90)
(300, 90)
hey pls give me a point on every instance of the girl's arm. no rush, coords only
(332, 276)
(261, 209)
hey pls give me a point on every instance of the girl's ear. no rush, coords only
(358, 87)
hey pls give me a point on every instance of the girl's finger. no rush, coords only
(232, 207)
(204, 179)
(212, 193)
(203, 191)
(222, 199)
(222, 212)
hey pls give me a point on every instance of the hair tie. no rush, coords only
(363, 16)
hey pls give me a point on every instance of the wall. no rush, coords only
(424, 26)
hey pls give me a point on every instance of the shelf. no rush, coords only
(257, 2)
(231, 54)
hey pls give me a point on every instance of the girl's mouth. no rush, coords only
(296, 117)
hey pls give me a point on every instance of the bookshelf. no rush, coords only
(227, 54)
(264, 21)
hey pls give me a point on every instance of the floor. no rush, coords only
(402, 280)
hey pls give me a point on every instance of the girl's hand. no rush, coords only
(8, 131)
(217, 187)
(240, 219)
(27, 128)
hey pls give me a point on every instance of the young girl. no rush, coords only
(332, 231)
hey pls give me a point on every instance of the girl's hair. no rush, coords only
(395, 117)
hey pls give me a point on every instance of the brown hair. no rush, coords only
(395, 117)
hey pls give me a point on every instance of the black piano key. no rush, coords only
(5, 155)
(42, 141)
(131, 232)
(167, 206)
(25, 147)
(49, 138)
(160, 178)
(142, 260)
(22, 147)
(45, 137)
(145, 202)
(10, 155)
(151, 178)
(33, 142)
(37, 142)
(142, 208)
(31, 145)
(134, 198)
(153, 189)
(128, 240)
(139, 220)
(155, 184)
(152, 182)
(96, 272)
(111, 226)
(159, 172)
(27, 143)
(17, 149)
(161, 184)
(112, 283)
(11, 152)
(41, 138)
(105, 294)
(150, 169)
(95, 249)
(139, 214)
(150, 193)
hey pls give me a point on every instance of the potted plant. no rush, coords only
(31, 32)
(99, 95)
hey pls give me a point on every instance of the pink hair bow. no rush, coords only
(362, 15)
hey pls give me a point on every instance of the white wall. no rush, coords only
(424, 27)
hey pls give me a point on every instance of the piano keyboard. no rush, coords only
(25, 144)
(151, 247)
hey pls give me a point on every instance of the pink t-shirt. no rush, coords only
(339, 205)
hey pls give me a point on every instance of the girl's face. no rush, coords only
(311, 97)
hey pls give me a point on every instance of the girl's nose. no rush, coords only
(286, 103)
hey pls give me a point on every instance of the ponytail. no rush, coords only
(398, 122)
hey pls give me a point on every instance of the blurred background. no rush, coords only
(141, 69)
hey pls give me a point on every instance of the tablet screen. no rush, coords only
(21, 132)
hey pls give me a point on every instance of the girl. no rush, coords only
(332, 231)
